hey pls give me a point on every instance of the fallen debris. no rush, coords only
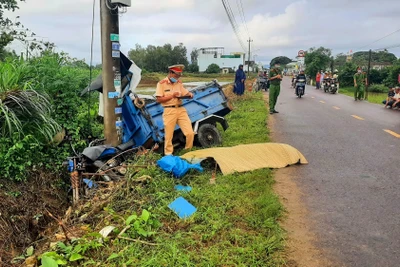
(182, 208)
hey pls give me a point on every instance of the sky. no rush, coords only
(277, 28)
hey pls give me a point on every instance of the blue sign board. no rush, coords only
(113, 94)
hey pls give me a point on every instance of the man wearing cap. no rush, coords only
(360, 81)
(169, 92)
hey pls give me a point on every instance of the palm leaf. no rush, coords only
(23, 110)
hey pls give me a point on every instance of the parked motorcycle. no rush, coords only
(300, 87)
(262, 84)
(326, 84)
(333, 86)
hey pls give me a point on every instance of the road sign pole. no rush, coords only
(111, 69)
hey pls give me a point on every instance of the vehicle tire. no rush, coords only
(208, 135)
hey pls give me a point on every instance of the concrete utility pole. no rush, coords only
(111, 69)
(369, 69)
(248, 62)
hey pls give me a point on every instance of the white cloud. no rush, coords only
(277, 29)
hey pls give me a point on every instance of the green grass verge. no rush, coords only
(376, 98)
(236, 223)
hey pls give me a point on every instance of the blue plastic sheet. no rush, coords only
(179, 167)
(182, 208)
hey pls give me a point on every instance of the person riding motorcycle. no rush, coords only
(301, 76)
(294, 80)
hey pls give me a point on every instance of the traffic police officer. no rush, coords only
(275, 78)
(360, 81)
(169, 92)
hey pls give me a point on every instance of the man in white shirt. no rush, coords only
(396, 99)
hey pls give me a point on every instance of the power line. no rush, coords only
(233, 23)
(389, 47)
(241, 12)
(381, 38)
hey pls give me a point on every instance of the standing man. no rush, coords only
(318, 80)
(240, 78)
(275, 78)
(322, 79)
(169, 92)
(360, 81)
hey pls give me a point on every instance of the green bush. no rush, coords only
(392, 77)
(378, 88)
(346, 74)
(213, 68)
(61, 79)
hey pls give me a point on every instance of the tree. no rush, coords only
(361, 58)
(213, 68)
(281, 60)
(193, 68)
(317, 59)
(194, 55)
(158, 58)
(346, 74)
(392, 77)
(340, 60)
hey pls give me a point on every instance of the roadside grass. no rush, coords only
(236, 222)
(376, 98)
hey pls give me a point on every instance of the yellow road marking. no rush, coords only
(323, 102)
(312, 97)
(393, 133)
(336, 107)
(358, 118)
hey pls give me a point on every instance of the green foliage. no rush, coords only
(158, 58)
(194, 55)
(346, 74)
(340, 60)
(213, 68)
(74, 252)
(49, 96)
(281, 60)
(361, 58)
(392, 77)
(23, 110)
(16, 155)
(142, 226)
(378, 88)
(193, 68)
(317, 59)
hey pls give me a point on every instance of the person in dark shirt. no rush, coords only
(301, 76)
(391, 94)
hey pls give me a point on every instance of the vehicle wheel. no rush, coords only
(208, 135)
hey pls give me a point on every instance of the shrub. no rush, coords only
(378, 88)
(213, 68)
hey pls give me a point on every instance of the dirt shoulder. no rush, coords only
(301, 249)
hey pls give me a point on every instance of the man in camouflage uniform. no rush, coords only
(275, 79)
(360, 81)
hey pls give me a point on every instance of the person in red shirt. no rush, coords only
(318, 80)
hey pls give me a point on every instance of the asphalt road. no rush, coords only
(352, 182)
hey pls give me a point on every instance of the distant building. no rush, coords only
(380, 65)
(216, 55)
